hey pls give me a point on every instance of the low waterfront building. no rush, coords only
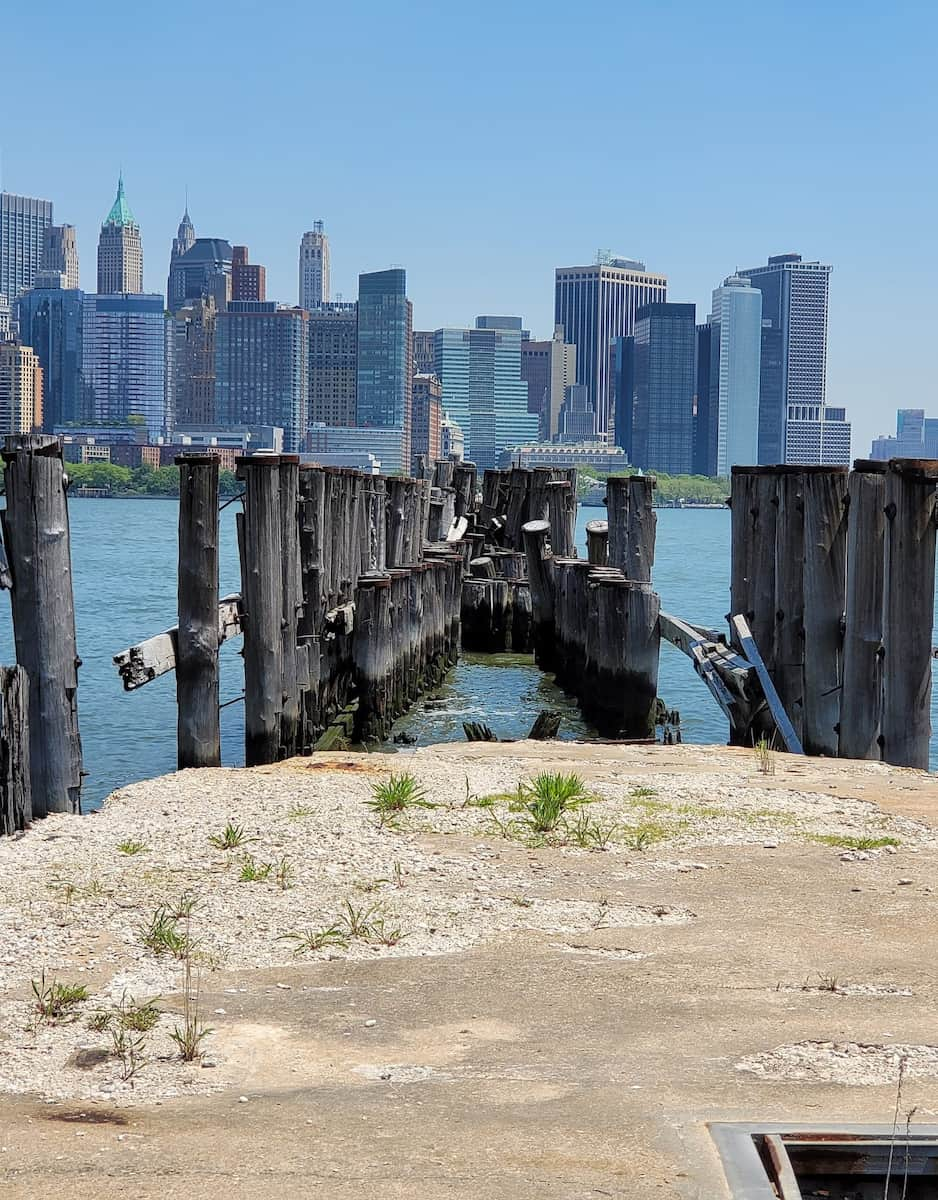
(596, 455)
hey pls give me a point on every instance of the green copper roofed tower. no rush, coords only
(120, 252)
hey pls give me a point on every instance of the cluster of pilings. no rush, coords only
(40, 747)
(342, 598)
(595, 622)
(496, 601)
(835, 572)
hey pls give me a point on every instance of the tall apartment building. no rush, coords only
(424, 362)
(483, 389)
(333, 364)
(120, 250)
(817, 435)
(261, 368)
(549, 368)
(23, 224)
(595, 305)
(427, 414)
(190, 363)
(205, 269)
(248, 280)
(182, 243)
(314, 268)
(794, 346)
(50, 320)
(385, 359)
(735, 361)
(663, 373)
(60, 255)
(20, 389)
(123, 359)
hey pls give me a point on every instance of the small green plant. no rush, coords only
(357, 921)
(640, 837)
(764, 756)
(382, 931)
(99, 1021)
(825, 983)
(639, 792)
(395, 795)
(590, 834)
(310, 940)
(132, 847)
(254, 872)
(57, 1002)
(398, 875)
(843, 842)
(230, 838)
(522, 901)
(128, 1024)
(548, 797)
(369, 885)
(284, 874)
(190, 1035)
(161, 934)
(299, 811)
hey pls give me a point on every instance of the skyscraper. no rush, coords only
(23, 225)
(123, 359)
(794, 344)
(60, 254)
(248, 280)
(385, 358)
(483, 389)
(548, 368)
(20, 389)
(261, 368)
(817, 435)
(50, 320)
(735, 358)
(425, 437)
(190, 363)
(424, 362)
(333, 364)
(203, 270)
(120, 251)
(182, 242)
(595, 305)
(664, 381)
(706, 410)
(314, 268)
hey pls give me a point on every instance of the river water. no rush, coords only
(124, 566)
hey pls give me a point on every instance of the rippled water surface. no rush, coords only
(124, 557)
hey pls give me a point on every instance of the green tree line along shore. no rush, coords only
(137, 481)
(696, 489)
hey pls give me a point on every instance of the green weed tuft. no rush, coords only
(844, 842)
(548, 797)
(230, 838)
(395, 795)
(132, 847)
(57, 1002)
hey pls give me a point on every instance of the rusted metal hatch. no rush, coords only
(792, 1162)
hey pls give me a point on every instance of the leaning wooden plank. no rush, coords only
(157, 655)
(779, 715)
(718, 689)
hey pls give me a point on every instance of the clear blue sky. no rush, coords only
(480, 146)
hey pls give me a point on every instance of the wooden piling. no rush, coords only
(632, 524)
(788, 654)
(15, 797)
(597, 543)
(561, 507)
(754, 518)
(291, 593)
(541, 581)
(825, 579)
(36, 535)
(259, 537)
(862, 697)
(519, 485)
(443, 472)
(464, 481)
(909, 599)
(198, 732)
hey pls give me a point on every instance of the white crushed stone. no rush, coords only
(72, 904)
(851, 1063)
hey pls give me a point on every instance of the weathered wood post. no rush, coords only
(754, 515)
(909, 601)
(632, 524)
(259, 541)
(15, 804)
(789, 596)
(198, 732)
(862, 701)
(825, 581)
(291, 593)
(374, 647)
(464, 481)
(35, 531)
(597, 543)
(517, 512)
(443, 472)
(541, 578)
(561, 507)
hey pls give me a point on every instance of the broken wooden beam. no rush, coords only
(157, 655)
